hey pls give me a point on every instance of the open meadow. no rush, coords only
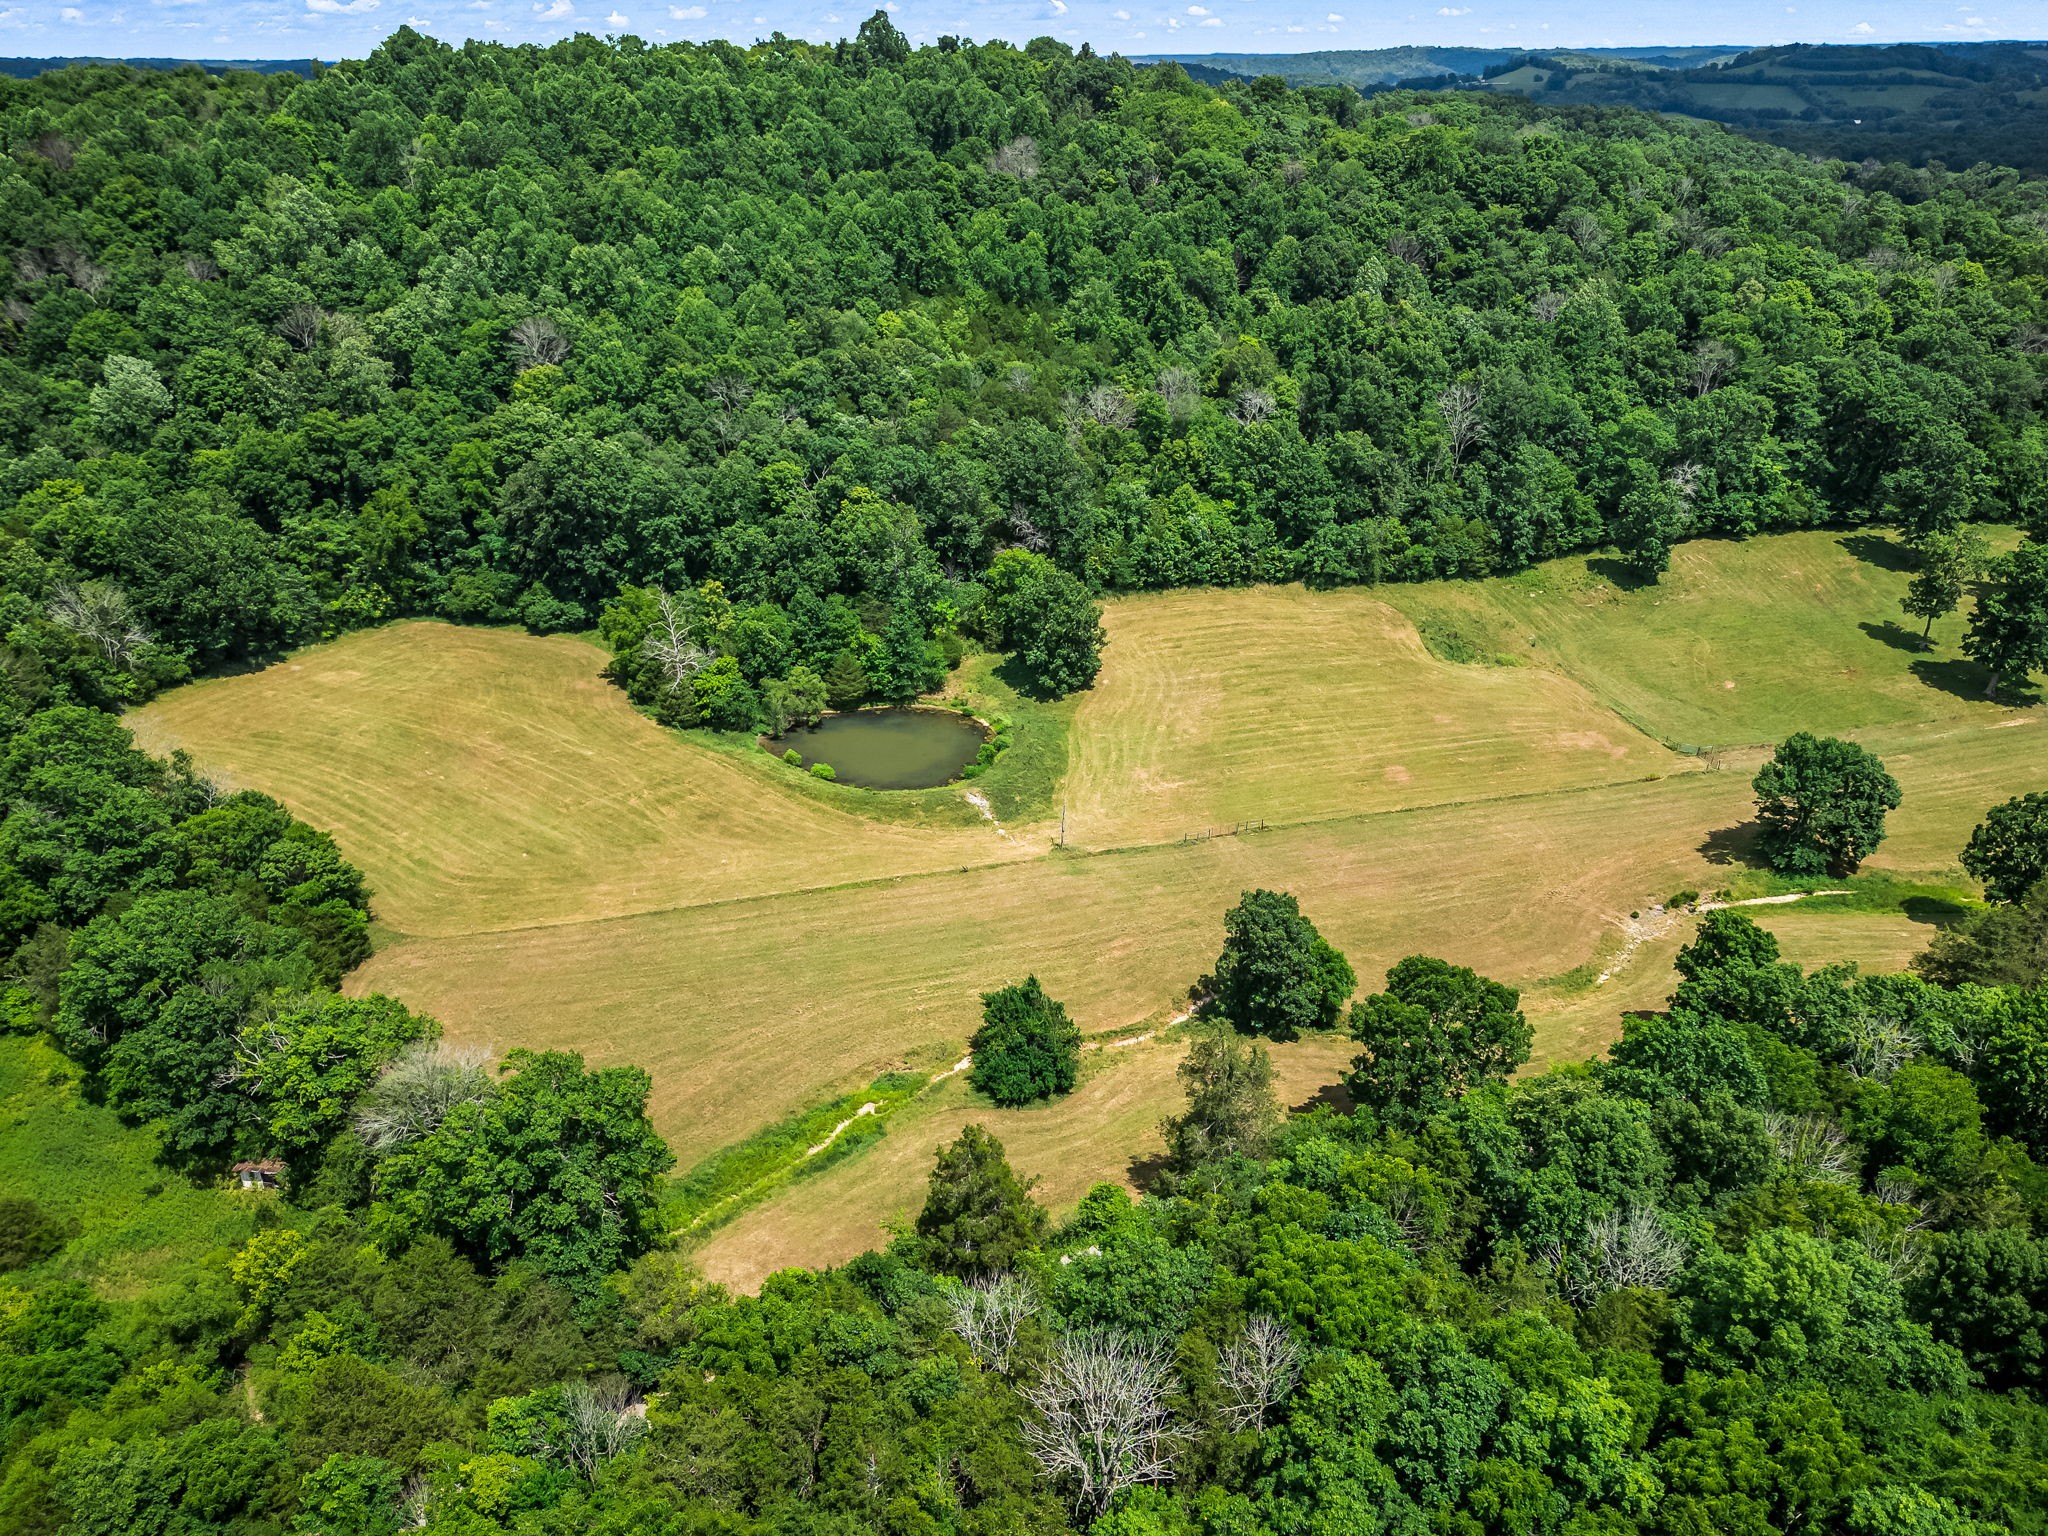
(1498, 772)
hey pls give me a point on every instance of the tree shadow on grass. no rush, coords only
(1733, 845)
(1331, 1095)
(1935, 911)
(1620, 573)
(1026, 682)
(1144, 1170)
(1966, 679)
(1875, 549)
(1897, 636)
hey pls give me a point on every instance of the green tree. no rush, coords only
(1986, 1293)
(1276, 975)
(2008, 634)
(1232, 1110)
(2009, 849)
(129, 401)
(309, 1058)
(559, 1167)
(978, 1216)
(1949, 561)
(1822, 803)
(1027, 1048)
(1438, 1031)
(846, 681)
(2001, 946)
(1047, 619)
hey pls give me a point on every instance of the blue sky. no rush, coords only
(348, 28)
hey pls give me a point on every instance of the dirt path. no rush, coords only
(866, 1109)
(1654, 924)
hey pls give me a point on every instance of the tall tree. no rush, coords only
(2008, 634)
(1232, 1110)
(1822, 802)
(978, 1216)
(1438, 1031)
(1027, 1048)
(1276, 975)
(2009, 849)
(1949, 561)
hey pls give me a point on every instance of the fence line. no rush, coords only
(1235, 829)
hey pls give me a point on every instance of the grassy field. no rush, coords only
(1486, 771)
(136, 1225)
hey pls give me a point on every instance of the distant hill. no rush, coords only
(1958, 103)
(28, 69)
(1367, 67)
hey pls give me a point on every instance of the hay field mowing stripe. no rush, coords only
(1096, 1135)
(1289, 705)
(486, 779)
(745, 1010)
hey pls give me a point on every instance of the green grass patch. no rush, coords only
(740, 1176)
(1876, 891)
(137, 1224)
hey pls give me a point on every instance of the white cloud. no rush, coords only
(1122, 15)
(72, 15)
(342, 7)
(1863, 29)
(1461, 10)
(1198, 10)
(1059, 7)
(1333, 16)
(616, 19)
(556, 11)
(686, 13)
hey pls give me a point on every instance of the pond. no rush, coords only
(889, 748)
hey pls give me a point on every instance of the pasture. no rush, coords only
(1486, 771)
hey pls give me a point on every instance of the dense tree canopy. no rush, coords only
(1276, 975)
(1822, 802)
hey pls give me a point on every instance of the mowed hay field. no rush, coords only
(558, 871)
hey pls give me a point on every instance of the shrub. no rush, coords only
(823, 771)
(1027, 1048)
(794, 758)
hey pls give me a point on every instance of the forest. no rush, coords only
(795, 372)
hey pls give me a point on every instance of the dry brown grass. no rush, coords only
(563, 873)
(486, 779)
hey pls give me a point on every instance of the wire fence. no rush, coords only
(1235, 829)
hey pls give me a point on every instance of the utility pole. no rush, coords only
(1063, 824)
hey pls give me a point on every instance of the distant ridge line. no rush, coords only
(29, 68)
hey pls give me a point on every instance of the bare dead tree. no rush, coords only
(1293, 171)
(1100, 1423)
(1258, 1372)
(1684, 481)
(418, 1091)
(86, 275)
(1421, 119)
(600, 1421)
(1110, 406)
(1253, 405)
(1464, 426)
(987, 1312)
(1879, 1045)
(202, 269)
(1178, 388)
(99, 612)
(1546, 307)
(18, 310)
(1587, 233)
(301, 325)
(1882, 258)
(1018, 379)
(1634, 1248)
(1812, 1147)
(1028, 534)
(31, 266)
(2030, 340)
(1712, 361)
(1412, 249)
(1684, 190)
(730, 390)
(1018, 158)
(536, 342)
(56, 149)
(670, 644)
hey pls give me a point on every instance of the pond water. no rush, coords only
(889, 748)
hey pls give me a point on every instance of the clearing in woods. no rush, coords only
(1488, 771)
